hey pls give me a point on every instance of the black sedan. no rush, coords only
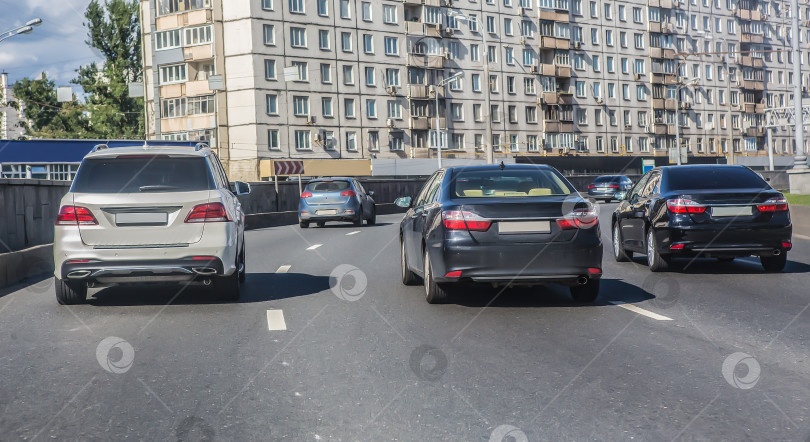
(500, 225)
(718, 211)
(606, 186)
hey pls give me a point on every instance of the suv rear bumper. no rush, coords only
(117, 272)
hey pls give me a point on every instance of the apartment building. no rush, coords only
(12, 118)
(264, 79)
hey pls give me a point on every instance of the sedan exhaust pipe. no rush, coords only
(204, 270)
(777, 252)
(582, 280)
(78, 274)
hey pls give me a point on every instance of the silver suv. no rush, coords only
(149, 214)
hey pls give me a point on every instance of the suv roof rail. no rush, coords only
(99, 147)
(200, 146)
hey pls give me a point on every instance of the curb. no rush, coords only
(23, 264)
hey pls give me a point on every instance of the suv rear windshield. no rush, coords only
(714, 178)
(328, 186)
(508, 183)
(143, 174)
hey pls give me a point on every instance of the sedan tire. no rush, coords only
(69, 293)
(655, 261)
(434, 292)
(373, 218)
(619, 252)
(408, 277)
(586, 293)
(303, 224)
(774, 263)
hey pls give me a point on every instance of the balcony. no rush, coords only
(417, 91)
(753, 108)
(660, 4)
(419, 123)
(191, 18)
(663, 78)
(442, 122)
(751, 62)
(665, 103)
(559, 16)
(199, 87)
(557, 98)
(200, 52)
(554, 43)
(554, 70)
(558, 126)
(754, 132)
(661, 128)
(664, 28)
(419, 29)
(662, 53)
(426, 61)
(753, 85)
(747, 37)
(748, 14)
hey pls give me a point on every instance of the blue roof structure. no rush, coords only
(65, 151)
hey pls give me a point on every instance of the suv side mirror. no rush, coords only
(241, 188)
(403, 201)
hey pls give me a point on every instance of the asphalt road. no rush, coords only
(708, 352)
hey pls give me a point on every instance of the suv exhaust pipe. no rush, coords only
(582, 280)
(206, 271)
(78, 274)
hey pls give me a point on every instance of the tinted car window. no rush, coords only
(328, 186)
(607, 179)
(422, 197)
(714, 178)
(508, 183)
(143, 174)
(639, 187)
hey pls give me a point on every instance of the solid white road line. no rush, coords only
(283, 269)
(314, 246)
(275, 320)
(353, 233)
(640, 311)
(801, 236)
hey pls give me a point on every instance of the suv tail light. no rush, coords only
(464, 220)
(74, 216)
(682, 205)
(348, 193)
(778, 204)
(208, 213)
(306, 195)
(579, 219)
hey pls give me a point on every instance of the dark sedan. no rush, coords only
(606, 186)
(500, 225)
(718, 211)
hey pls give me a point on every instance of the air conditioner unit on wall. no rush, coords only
(390, 122)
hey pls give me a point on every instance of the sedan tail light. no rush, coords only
(614, 186)
(683, 205)
(348, 193)
(579, 219)
(778, 204)
(464, 220)
(306, 195)
(208, 213)
(74, 216)
(591, 186)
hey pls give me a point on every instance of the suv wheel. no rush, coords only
(434, 292)
(228, 287)
(303, 224)
(69, 293)
(241, 266)
(655, 261)
(774, 263)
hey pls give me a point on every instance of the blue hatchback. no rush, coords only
(336, 199)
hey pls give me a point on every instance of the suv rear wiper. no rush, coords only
(156, 188)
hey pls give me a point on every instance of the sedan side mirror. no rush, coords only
(620, 195)
(241, 188)
(403, 201)
(370, 193)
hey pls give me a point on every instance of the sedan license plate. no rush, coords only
(732, 211)
(512, 227)
(327, 212)
(142, 218)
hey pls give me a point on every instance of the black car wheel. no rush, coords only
(655, 261)
(408, 277)
(242, 268)
(774, 263)
(321, 223)
(619, 253)
(434, 293)
(303, 224)
(373, 218)
(587, 292)
(69, 293)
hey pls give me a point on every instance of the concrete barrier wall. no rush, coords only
(28, 210)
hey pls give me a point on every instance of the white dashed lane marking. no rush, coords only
(640, 311)
(275, 320)
(353, 233)
(314, 246)
(802, 236)
(283, 269)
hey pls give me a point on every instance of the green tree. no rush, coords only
(114, 30)
(48, 118)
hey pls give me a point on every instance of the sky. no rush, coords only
(57, 46)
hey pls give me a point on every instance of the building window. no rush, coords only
(346, 41)
(392, 77)
(394, 110)
(303, 72)
(173, 108)
(395, 142)
(175, 73)
(203, 104)
(369, 76)
(301, 106)
(298, 37)
(198, 35)
(348, 105)
(351, 141)
(269, 34)
(345, 9)
(272, 140)
(373, 140)
(457, 111)
(172, 6)
(323, 39)
(168, 39)
(323, 9)
(391, 46)
(389, 14)
(326, 73)
(326, 107)
(297, 6)
(267, 4)
(366, 10)
(348, 75)
(371, 109)
(302, 140)
(269, 69)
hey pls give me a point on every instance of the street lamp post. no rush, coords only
(442, 84)
(681, 85)
(480, 25)
(24, 29)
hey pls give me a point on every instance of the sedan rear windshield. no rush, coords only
(508, 183)
(607, 179)
(694, 178)
(143, 174)
(328, 186)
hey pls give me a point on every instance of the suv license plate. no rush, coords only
(732, 211)
(142, 218)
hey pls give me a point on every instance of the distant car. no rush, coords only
(336, 199)
(149, 214)
(500, 225)
(719, 211)
(606, 186)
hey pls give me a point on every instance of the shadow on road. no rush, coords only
(347, 225)
(258, 287)
(711, 266)
(475, 295)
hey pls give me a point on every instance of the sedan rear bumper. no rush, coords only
(731, 241)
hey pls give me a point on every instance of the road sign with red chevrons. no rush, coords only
(281, 168)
